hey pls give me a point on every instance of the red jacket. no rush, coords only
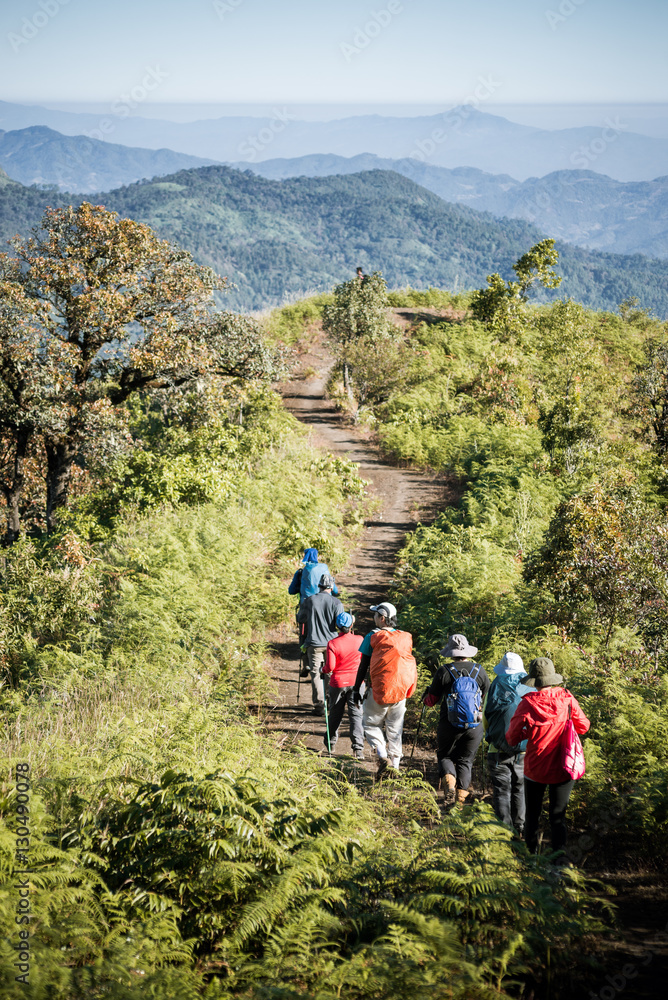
(342, 660)
(541, 718)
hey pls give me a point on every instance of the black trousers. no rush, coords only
(337, 699)
(457, 749)
(558, 800)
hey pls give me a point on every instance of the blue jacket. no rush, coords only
(305, 581)
(501, 701)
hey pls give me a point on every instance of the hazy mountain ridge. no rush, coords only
(461, 136)
(40, 155)
(278, 239)
(578, 206)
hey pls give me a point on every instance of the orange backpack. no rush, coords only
(393, 667)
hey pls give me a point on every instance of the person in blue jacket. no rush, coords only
(306, 579)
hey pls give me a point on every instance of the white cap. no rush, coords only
(386, 609)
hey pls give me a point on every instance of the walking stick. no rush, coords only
(417, 732)
(299, 675)
(329, 747)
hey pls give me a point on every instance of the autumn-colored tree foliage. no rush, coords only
(94, 308)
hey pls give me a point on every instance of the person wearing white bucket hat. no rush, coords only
(506, 763)
(461, 685)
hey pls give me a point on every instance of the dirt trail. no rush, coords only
(635, 962)
(406, 496)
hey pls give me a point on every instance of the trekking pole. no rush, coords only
(299, 675)
(324, 694)
(417, 732)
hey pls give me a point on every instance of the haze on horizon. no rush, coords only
(408, 53)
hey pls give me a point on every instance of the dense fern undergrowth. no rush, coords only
(175, 850)
(551, 423)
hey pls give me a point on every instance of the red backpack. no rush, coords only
(393, 667)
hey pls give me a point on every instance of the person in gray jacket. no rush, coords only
(319, 613)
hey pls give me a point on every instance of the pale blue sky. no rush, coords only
(258, 51)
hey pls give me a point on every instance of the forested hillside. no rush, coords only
(282, 239)
(576, 206)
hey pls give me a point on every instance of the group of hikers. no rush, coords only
(531, 722)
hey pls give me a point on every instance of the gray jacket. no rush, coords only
(319, 613)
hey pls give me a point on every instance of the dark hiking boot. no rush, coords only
(382, 767)
(319, 710)
(304, 672)
(358, 754)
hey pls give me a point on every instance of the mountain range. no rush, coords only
(39, 155)
(282, 239)
(460, 137)
(578, 206)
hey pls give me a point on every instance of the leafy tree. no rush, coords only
(650, 389)
(26, 403)
(501, 305)
(570, 386)
(104, 309)
(359, 311)
(608, 548)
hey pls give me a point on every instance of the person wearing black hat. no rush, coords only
(318, 613)
(458, 738)
(540, 718)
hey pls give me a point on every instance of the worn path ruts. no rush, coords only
(406, 496)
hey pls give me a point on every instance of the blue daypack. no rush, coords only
(465, 700)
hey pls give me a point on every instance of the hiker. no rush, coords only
(541, 718)
(387, 658)
(505, 762)
(341, 665)
(306, 578)
(462, 685)
(319, 613)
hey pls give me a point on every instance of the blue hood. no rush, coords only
(513, 682)
(311, 556)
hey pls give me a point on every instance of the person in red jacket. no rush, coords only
(341, 664)
(541, 718)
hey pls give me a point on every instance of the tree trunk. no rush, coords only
(14, 490)
(59, 459)
(347, 383)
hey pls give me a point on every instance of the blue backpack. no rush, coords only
(465, 700)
